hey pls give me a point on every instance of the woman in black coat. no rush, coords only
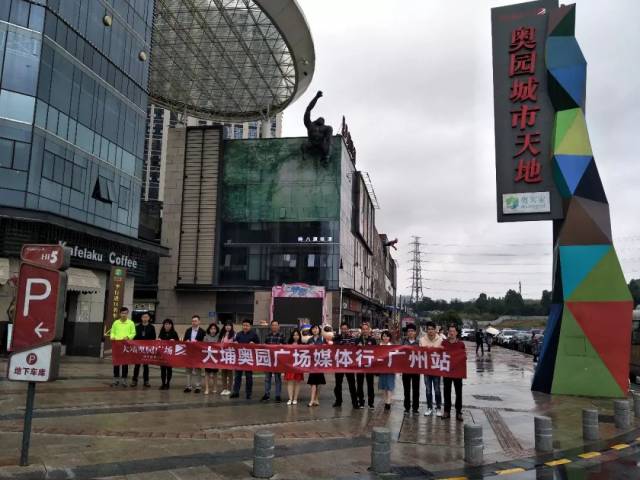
(168, 332)
(315, 379)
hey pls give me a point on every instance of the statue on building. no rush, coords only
(319, 135)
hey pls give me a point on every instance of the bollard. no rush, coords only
(636, 404)
(544, 434)
(473, 447)
(621, 413)
(263, 454)
(590, 428)
(381, 450)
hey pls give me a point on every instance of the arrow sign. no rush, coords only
(39, 329)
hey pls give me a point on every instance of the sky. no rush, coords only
(414, 81)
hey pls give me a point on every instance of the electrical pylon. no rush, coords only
(416, 270)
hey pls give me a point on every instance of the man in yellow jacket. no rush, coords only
(122, 329)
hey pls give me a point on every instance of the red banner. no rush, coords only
(444, 362)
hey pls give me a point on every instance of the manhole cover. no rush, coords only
(489, 398)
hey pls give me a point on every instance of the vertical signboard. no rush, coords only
(114, 301)
(523, 114)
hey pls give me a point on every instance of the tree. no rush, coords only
(634, 287)
(447, 318)
(545, 302)
(513, 303)
(482, 303)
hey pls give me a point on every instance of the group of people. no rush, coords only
(481, 339)
(231, 380)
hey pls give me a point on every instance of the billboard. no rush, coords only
(523, 114)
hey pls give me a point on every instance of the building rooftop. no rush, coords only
(235, 60)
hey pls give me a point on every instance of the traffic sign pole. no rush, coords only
(38, 324)
(26, 429)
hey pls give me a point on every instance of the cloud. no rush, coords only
(414, 80)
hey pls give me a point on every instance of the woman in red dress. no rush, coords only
(294, 379)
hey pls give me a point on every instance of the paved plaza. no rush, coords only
(83, 428)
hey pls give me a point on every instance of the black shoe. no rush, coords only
(337, 405)
(197, 390)
(278, 399)
(445, 416)
(248, 397)
(387, 406)
(187, 390)
(372, 407)
(234, 395)
(357, 407)
(406, 412)
(163, 387)
(147, 384)
(265, 398)
(459, 417)
(134, 383)
(416, 412)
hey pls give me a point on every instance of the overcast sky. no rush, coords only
(414, 80)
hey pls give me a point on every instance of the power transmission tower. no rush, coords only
(416, 270)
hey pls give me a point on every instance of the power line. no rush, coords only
(479, 282)
(481, 272)
(487, 264)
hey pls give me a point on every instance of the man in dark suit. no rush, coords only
(194, 334)
(144, 331)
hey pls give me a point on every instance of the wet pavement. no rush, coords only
(83, 428)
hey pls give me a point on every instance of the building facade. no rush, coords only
(244, 216)
(73, 100)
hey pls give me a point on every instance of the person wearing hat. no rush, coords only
(411, 381)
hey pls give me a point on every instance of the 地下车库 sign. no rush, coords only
(523, 114)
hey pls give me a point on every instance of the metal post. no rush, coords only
(636, 404)
(26, 430)
(590, 429)
(621, 413)
(340, 311)
(381, 450)
(544, 434)
(473, 446)
(263, 454)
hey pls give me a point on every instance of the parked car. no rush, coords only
(520, 340)
(505, 336)
(468, 334)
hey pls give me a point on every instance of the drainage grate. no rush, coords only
(410, 472)
(490, 398)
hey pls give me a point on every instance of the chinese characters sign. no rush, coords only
(298, 359)
(523, 112)
(115, 300)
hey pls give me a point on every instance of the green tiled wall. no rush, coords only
(268, 180)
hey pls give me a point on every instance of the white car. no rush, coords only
(505, 336)
(467, 334)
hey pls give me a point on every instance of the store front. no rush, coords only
(93, 254)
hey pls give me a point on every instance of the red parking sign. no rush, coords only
(39, 307)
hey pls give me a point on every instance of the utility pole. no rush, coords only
(520, 288)
(416, 270)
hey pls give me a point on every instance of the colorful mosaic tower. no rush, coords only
(587, 340)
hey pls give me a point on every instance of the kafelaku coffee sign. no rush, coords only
(523, 113)
(99, 256)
